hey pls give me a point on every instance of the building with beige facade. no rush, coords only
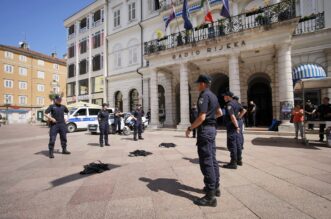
(27, 80)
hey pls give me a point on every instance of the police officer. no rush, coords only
(208, 112)
(55, 114)
(324, 113)
(137, 116)
(103, 119)
(117, 120)
(232, 109)
(193, 117)
(242, 113)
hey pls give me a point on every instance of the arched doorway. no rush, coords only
(119, 100)
(134, 99)
(161, 95)
(259, 91)
(178, 101)
(219, 85)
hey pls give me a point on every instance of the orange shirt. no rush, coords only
(297, 115)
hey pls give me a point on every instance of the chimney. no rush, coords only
(24, 45)
(54, 55)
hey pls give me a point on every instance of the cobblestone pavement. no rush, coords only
(280, 178)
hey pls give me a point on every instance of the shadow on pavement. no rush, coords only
(75, 176)
(192, 160)
(181, 136)
(94, 144)
(127, 139)
(46, 153)
(171, 186)
(222, 148)
(281, 142)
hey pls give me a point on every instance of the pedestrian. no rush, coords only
(148, 116)
(297, 114)
(0, 119)
(241, 116)
(118, 121)
(193, 117)
(233, 131)
(324, 113)
(245, 118)
(103, 119)
(57, 123)
(309, 109)
(252, 113)
(137, 116)
(208, 112)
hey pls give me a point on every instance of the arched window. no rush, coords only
(117, 56)
(134, 99)
(119, 100)
(133, 51)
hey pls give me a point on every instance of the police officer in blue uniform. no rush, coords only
(103, 119)
(232, 109)
(208, 112)
(138, 126)
(242, 112)
(55, 114)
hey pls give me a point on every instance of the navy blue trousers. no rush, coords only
(60, 128)
(137, 130)
(234, 144)
(207, 156)
(104, 130)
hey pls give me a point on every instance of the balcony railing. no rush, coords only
(310, 23)
(282, 11)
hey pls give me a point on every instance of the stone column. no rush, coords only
(285, 86)
(169, 102)
(184, 97)
(234, 80)
(154, 99)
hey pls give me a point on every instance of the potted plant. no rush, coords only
(284, 15)
(179, 39)
(221, 28)
(262, 20)
(151, 48)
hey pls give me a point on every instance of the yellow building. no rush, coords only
(27, 80)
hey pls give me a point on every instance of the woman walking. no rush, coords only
(297, 114)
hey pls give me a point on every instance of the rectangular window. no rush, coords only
(71, 91)
(40, 87)
(23, 100)
(56, 90)
(22, 71)
(133, 55)
(8, 83)
(8, 68)
(8, 99)
(56, 77)
(96, 40)
(71, 71)
(23, 85)
(83, 66)
(83, 47)
(71, 51)
(83, 87)
(83, 23)
(118, 59)
(97, 16)
(22, 58)
(40, 101)
(97, 63)
(97, 84)
(56, 66)
(41, 62)
(41, 74)
(132, 11)
(117, 18)
(9, 55)
(71, 29)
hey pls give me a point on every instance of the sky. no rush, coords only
(41, 21)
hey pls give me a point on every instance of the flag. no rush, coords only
(208, 17)
(225, 11)
(187, 23)
(171, 17)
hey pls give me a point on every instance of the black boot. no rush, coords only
(217, 191)
(101, 145)
(107, 144)
(239, 162)
(231, 165)
(65, 151)
(51, 153)
(208, 200)
(141, 138)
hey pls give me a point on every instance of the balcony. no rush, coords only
(310, 23)
(266, 16)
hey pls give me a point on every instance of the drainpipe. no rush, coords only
(141, 54)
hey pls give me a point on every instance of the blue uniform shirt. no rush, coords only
(208, 103)
(231, 108)
(57, 112)
(138, 114)
(103, 117)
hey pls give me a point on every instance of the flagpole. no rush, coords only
(173, 8)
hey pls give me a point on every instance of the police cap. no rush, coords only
(228, 93)
(203, 79)
(236, 98)
(105, 104)
(57, 97)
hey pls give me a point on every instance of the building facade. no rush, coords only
(27, 80)
(87, 59)
(258, 54)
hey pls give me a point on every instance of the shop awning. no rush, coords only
(313, 83)
(308, 71)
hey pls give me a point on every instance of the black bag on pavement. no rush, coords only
(167, 145)
(95, 168)
(137, 153)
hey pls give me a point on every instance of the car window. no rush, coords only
(94, 112)
(110, 110)
(81, 112)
